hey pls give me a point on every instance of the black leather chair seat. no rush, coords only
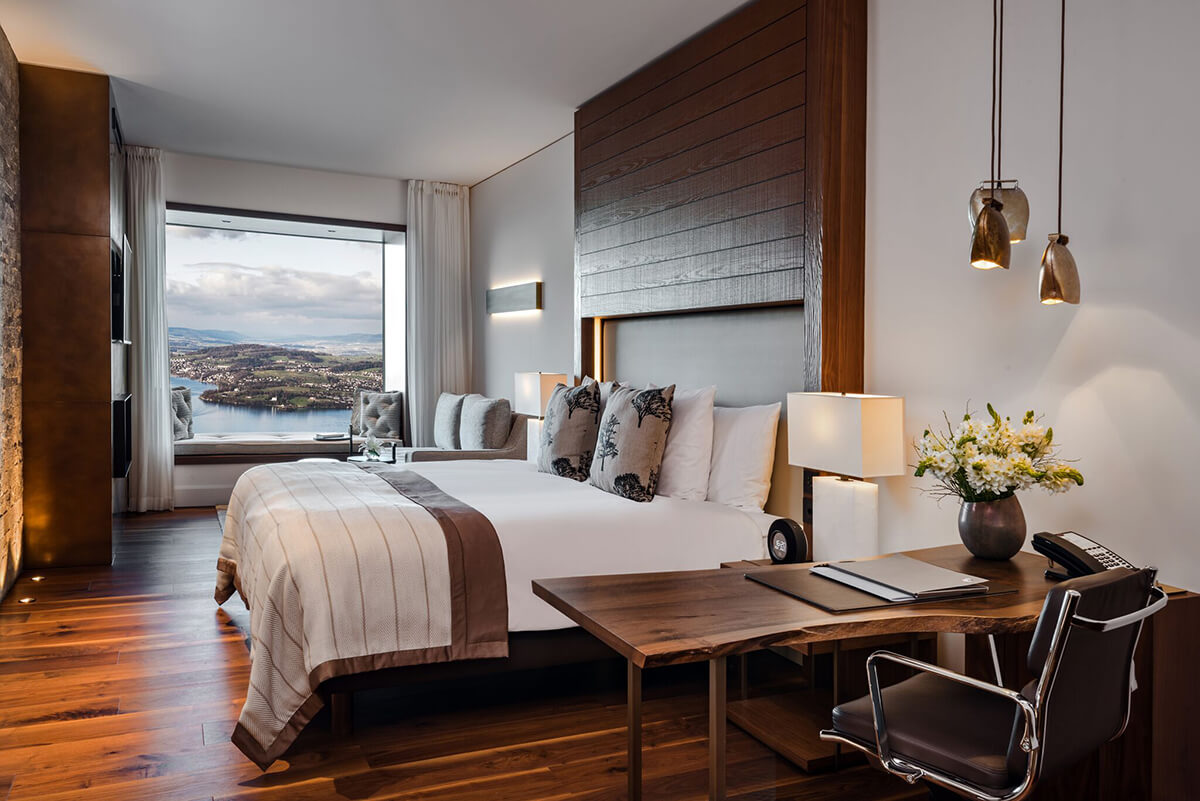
(940, 723)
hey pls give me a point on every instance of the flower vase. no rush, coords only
(992, 529)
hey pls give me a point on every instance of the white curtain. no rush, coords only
(439, 299)
(152, 475)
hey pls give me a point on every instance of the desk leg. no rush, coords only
(716, 729)
(633, 722)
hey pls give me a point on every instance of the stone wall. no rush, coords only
(11, 462)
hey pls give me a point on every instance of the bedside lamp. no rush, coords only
(856, 436)
(532, 393)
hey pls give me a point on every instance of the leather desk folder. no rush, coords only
(833, 596)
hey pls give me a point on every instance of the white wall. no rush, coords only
(523, 229)
(255, 186)
(1118, 376)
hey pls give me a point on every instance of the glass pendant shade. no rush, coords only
(991, 245)
(1059, 276)
(1016, 205)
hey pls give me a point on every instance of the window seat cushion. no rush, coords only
(266, 444)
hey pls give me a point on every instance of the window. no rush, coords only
(276, 323)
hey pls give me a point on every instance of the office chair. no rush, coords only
(985, 742)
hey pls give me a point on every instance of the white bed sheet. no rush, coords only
(551, 526)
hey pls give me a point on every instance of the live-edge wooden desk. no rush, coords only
(658, 619)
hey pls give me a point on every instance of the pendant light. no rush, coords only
(991, 243)
(1059, 277)
(1015, 205)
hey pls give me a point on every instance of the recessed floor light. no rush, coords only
(27, 601)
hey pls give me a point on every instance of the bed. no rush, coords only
(349, 571)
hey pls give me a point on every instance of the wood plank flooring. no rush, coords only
(125, 682)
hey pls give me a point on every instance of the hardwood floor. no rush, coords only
(124, 683)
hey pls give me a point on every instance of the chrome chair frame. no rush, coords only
(1034, 712)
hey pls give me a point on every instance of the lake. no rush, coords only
(220, 418)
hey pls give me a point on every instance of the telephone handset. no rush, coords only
(1075, 552)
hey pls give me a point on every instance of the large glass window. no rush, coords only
(275, 324)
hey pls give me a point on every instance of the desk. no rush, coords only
(657, 619)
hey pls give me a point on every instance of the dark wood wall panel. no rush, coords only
(736, 58)
(690, 183)
(764, 196)
(761, 75)
(702, 46)
(755, 108)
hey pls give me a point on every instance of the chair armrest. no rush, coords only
(1029, 741)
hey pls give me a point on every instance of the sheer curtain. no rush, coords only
(439, 299)
(152, 475)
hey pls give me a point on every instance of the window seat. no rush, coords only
(257, 447)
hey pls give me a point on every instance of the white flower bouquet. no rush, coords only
(980, 460)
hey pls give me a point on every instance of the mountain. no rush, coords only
(186, 340)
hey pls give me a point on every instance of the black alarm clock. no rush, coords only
(786, 541)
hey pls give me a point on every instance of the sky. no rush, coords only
(272, 285)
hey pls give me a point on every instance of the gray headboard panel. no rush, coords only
(753, 356)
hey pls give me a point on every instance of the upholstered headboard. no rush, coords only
(753, 356)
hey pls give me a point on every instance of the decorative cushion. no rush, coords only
(606, 388)
(688, 455)
(631, 441)
(485, 423)
(743, 455)
(382, 414)
(181, 413)
(569, 431)
(446, 419)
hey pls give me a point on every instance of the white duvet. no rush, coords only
(551, 526)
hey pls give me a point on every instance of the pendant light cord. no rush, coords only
(1000, 103)
(992, 153)
(1062, 78)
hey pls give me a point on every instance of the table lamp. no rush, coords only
(532, 393)
(856, 436)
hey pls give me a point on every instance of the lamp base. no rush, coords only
(845, 518)
(533, 438)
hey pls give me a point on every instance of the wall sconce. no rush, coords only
(516, 298)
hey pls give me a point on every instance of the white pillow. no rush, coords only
(686, 461)
(742, 456)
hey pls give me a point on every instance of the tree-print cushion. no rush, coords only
(569, 431)
(630, 444)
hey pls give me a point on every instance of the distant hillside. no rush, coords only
(279, 378)
(187, 340)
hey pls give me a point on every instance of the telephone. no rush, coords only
(1075, 552)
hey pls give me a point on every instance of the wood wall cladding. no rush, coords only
(66, 284)
(12, 515)
(731, 172)
(690, 173)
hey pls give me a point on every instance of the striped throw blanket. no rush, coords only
(347, 570)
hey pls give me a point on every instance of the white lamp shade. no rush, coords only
(533, 391)
(849, 434)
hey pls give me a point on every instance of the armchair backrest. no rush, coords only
(1084, 669)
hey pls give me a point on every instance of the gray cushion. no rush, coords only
(631, 441)
(382, 414)
(569, 431)
(181, 413)
(446, 419)
(606, 388)
(485, 423)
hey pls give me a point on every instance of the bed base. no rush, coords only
(527, 650)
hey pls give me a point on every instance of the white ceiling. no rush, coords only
(451, 90)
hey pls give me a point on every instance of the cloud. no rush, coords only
(275, 292)
(192, 232)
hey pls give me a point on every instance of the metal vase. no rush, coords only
(992, 529)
